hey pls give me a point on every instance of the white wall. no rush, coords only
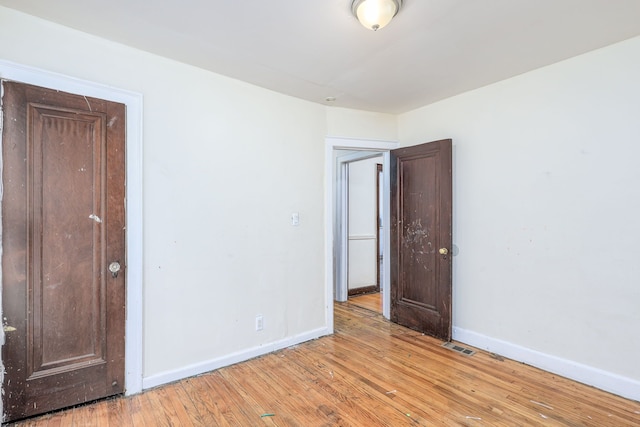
(225, 164)
(363, 125)
(547, 214)
(363, 225)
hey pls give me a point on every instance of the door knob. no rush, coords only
(114, 268)
(443, 251)
(8, 328)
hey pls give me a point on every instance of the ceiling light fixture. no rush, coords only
(375, 14)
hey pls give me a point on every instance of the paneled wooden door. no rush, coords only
(421, 215)
(63, 242)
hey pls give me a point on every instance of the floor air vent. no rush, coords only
(459, 349)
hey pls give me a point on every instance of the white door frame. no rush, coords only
(341, 228)
(336, 181)
(134, 173)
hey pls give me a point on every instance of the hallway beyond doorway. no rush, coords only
(372, 301)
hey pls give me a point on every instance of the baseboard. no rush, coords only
(363, 290)
(607, 381)
(241, 356)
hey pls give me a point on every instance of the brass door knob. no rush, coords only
(443, 251)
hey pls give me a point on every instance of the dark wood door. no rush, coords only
(63, 224)
(421, 212)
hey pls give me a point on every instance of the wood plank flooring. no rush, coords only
(372, 301)
(369, 373)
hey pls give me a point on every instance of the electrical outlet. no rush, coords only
(259, 322)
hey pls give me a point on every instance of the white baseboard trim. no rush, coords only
(241, 356)
(607, 381)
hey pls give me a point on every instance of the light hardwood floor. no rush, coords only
(372, 301)
(369, 373)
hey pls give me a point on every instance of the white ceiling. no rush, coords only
(313, 49)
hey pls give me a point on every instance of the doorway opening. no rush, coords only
(339, 153)
(363, 225)
(368, 209)
(421, 193)
(369, 297)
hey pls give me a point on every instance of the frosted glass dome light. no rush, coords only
(375, 14)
